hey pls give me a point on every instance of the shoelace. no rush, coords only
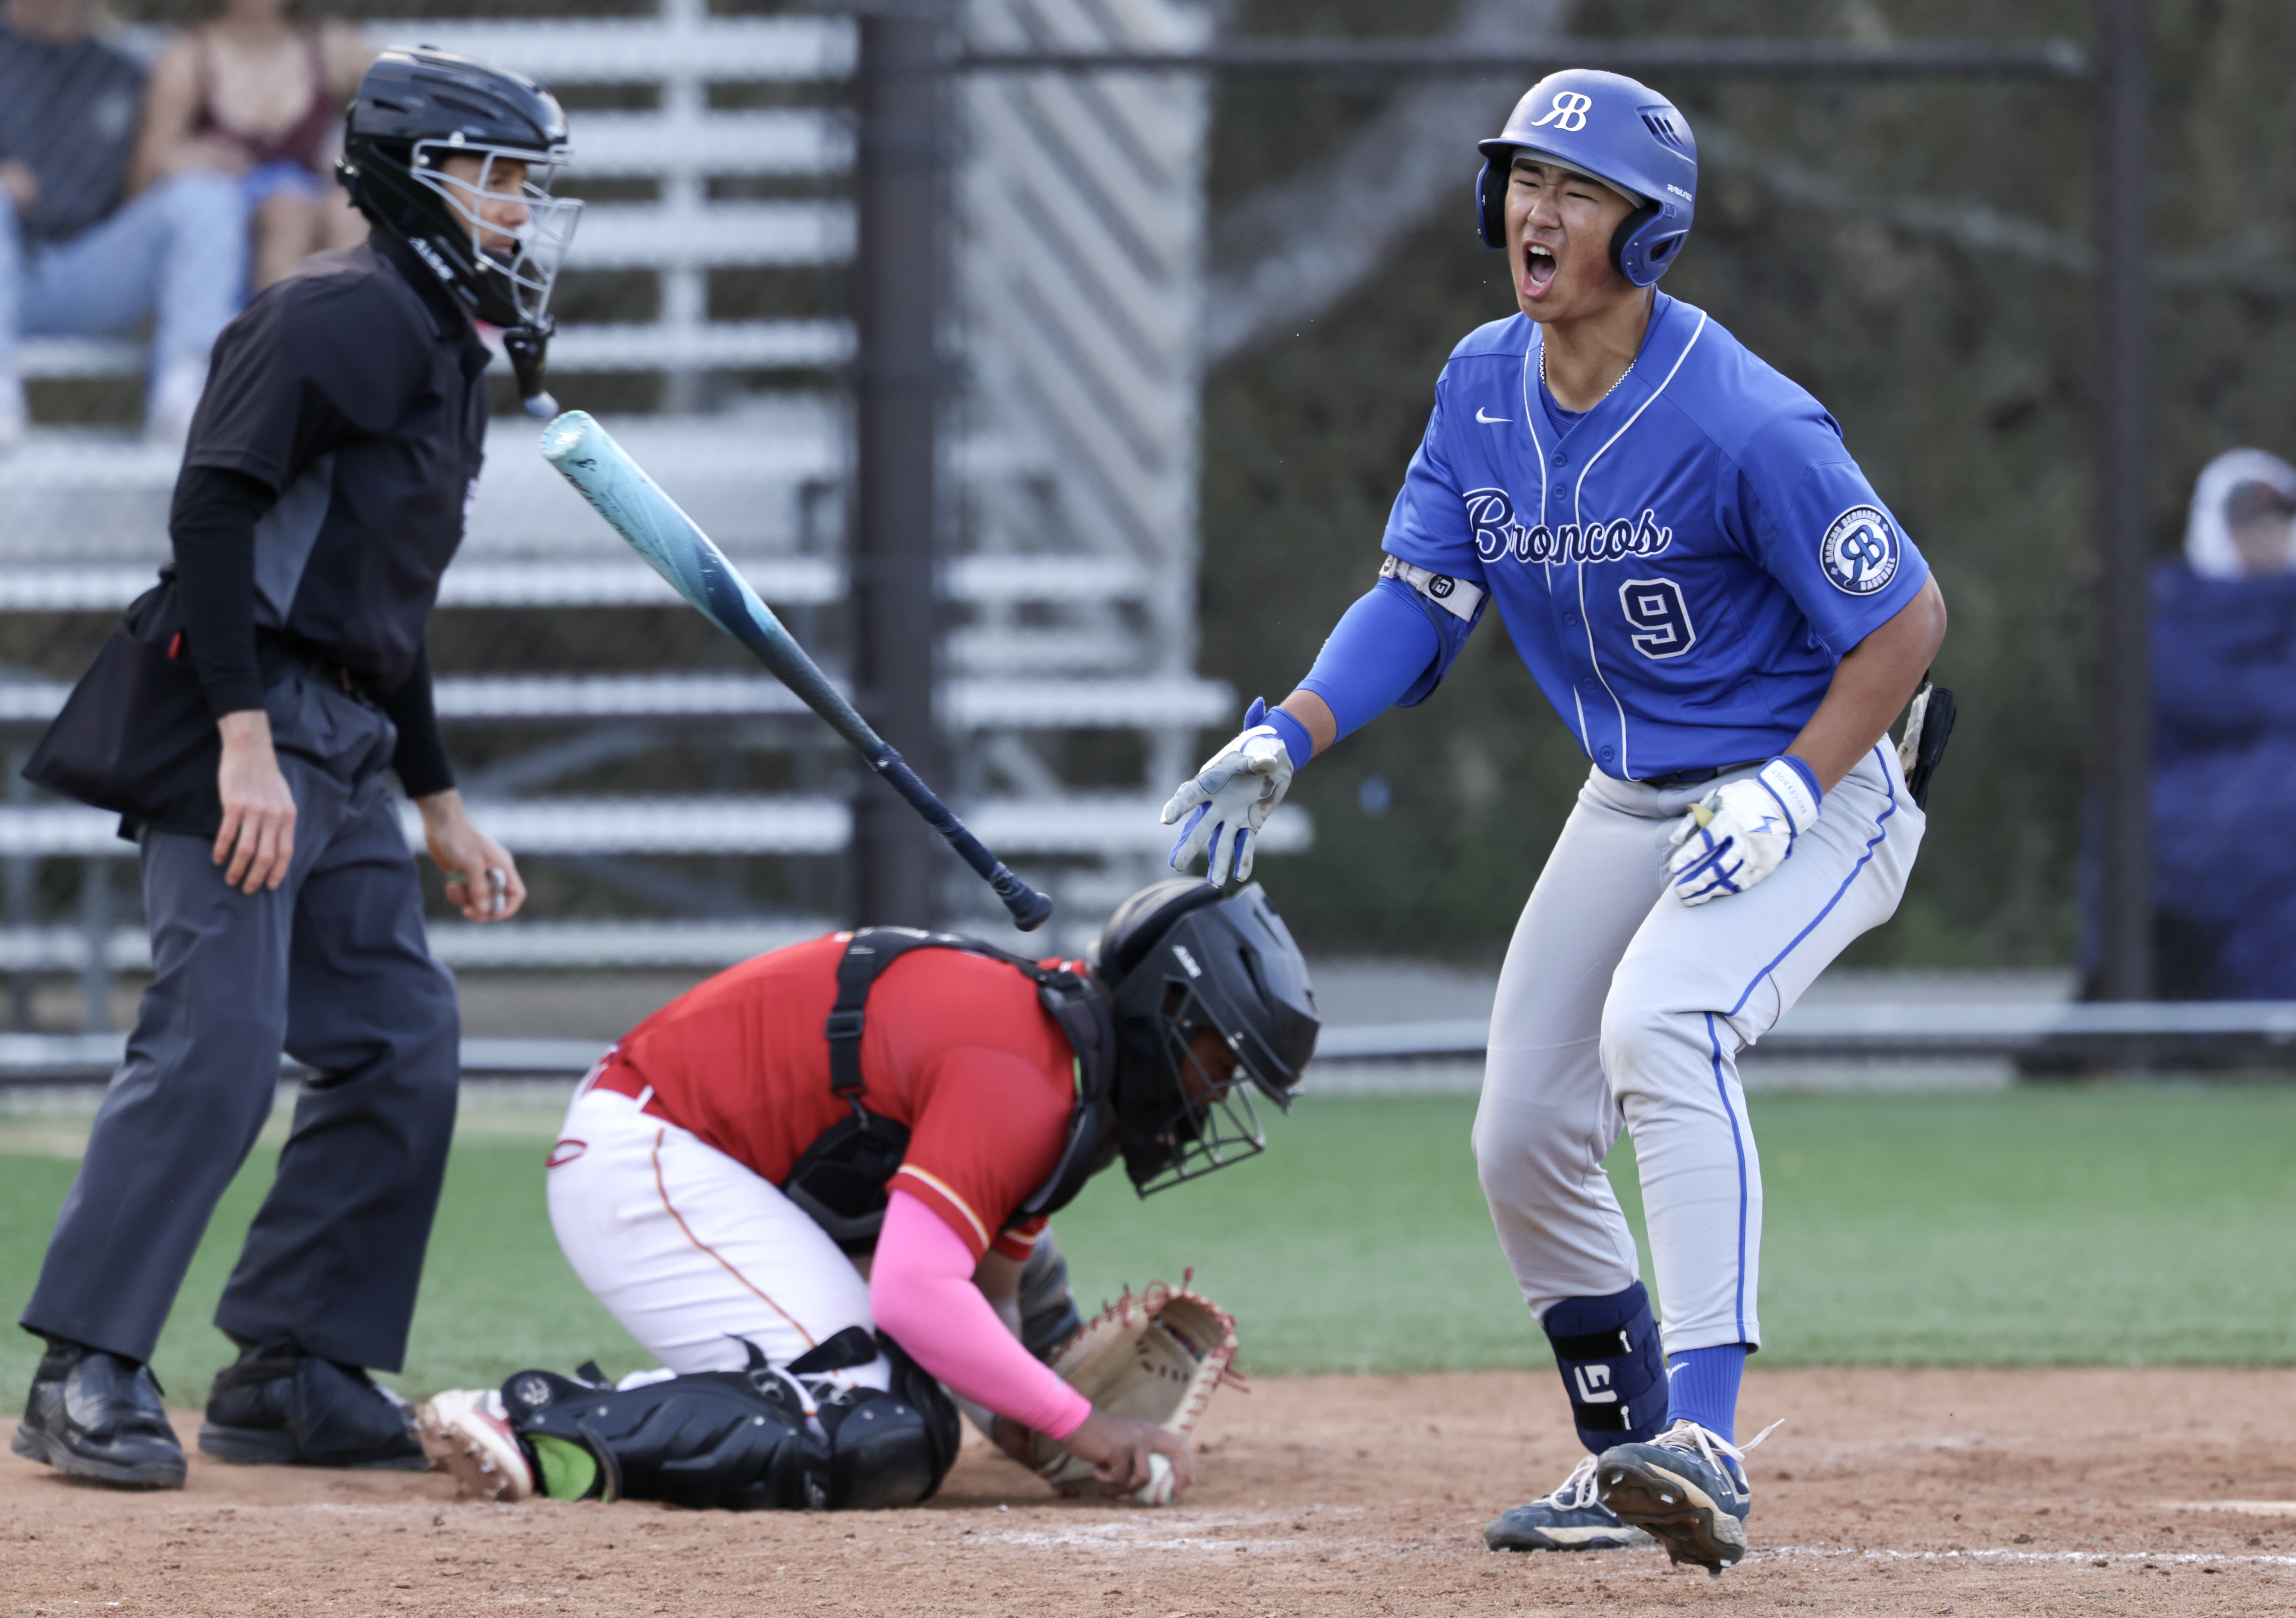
(1578, 1491)
(1691, 1438)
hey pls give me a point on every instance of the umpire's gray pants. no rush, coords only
(332, 967)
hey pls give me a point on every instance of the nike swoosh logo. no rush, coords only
(1671, 1369)
(1490, 421)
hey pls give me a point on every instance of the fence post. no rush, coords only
(899, 175)
(684, 194)
(2122, 753)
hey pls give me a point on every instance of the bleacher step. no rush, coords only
(968, 704)
(1085, 825)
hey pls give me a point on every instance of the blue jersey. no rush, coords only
(1681, 567)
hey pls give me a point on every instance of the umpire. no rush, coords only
(241, 720)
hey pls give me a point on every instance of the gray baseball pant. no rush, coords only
(1620, 1007)
(332, 967)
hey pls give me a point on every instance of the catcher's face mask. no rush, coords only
(1211, 1002)
(1183, 1104)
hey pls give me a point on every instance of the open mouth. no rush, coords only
(1537, 269)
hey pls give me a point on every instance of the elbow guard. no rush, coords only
(1451, 605)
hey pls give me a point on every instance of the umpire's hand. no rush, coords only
(258, 835)
(482, 880)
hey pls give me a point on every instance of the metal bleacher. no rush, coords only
(1069, 593)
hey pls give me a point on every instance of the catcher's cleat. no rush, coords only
(465, 1434)
(97, 1416)
(1571, 1518)
(1688, 1489)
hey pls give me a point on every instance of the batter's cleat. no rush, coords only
(1688, 1489)
(465, 1431)
(97, 1416)
(1571, 1518)
(279, 1407)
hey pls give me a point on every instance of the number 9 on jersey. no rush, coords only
(1660, 617)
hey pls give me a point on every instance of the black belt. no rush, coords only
(1693, 777)
(275, 655)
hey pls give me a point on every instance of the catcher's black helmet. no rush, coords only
(416, 108)
(1181, 961)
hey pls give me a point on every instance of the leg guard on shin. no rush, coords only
(712, 1439)
(1613, 1370)
(885, 1448)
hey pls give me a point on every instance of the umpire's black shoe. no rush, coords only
(97, 1416)
(277, 1406)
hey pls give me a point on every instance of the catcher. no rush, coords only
(815, 1189)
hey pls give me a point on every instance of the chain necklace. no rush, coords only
(1613, 388)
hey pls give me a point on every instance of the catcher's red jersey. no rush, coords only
(957, 1048)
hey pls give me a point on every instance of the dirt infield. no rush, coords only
(1887, 1491)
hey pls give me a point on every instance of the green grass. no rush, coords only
(2143, 1225)
(2152, 1224)
(496, 1294)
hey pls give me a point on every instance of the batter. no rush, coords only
(1728, 618)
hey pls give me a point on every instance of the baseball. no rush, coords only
(1158, 1490)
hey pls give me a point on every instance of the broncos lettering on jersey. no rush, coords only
(1683, 565)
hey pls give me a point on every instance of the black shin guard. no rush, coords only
(712, 1439)
(888, 1449)
(1613, 1370)
(742, 1440)
(885, 1448)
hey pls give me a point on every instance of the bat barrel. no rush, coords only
(681, 552)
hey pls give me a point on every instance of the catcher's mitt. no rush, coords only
(1155, 1356)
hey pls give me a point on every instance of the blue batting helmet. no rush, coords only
(1624, 133)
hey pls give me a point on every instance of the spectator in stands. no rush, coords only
(257, 93)
(2224, 682)
(82, 255)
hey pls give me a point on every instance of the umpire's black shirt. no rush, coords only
(331, 465)
(354, 392)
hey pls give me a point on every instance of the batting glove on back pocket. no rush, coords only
(1737, 835)
(1230, 799)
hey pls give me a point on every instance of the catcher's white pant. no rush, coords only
(691, 1250)
(1620, 1005)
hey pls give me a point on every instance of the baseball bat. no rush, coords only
(697, 570)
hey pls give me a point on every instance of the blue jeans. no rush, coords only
(176, 254)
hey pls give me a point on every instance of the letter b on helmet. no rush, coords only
(1568, 112)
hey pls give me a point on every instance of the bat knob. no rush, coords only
(542, 407)
(1030, 910)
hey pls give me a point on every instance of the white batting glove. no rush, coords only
(1231, 797)
(1740, 833)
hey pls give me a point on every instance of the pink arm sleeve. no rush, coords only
(921, 1292)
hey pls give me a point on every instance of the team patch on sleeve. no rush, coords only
(1860, 551)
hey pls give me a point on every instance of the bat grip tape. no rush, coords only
(1028, 908)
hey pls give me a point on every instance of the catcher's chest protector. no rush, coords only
(839, 1180)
